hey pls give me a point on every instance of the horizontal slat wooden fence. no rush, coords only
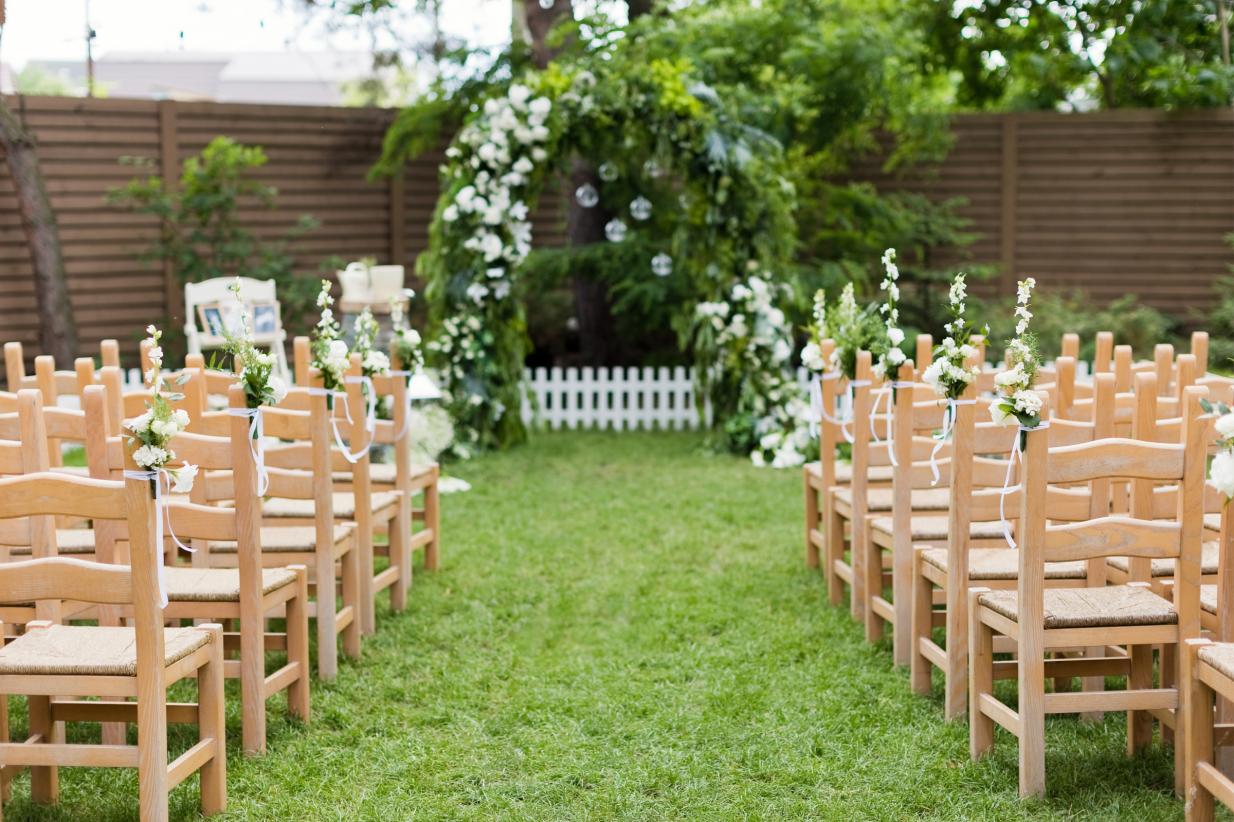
(1112, 202)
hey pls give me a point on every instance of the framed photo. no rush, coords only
(211, 317)
(265, 318)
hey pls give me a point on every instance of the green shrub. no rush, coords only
(1055, 314)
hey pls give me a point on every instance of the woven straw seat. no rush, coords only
(879, 499)
(344, 506)
(297, 539)
(385, 473)
(219, 584)
(1108, 607)
(1208, 598)
(1002, 563)
(844, 472)
(1221, 656)
(80, 650)
(69, 541)
(1212, 522)
(934, 528)
(1165, 567)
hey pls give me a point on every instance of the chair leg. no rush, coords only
(1196, 720)
(298, 646)
(398, 533)
(252, 684)
(856, 542)
(980, 680)
(811, 519)
(1139, 723)
(922, 628)
(327, 630)
(367, 608)
(44, 780)
(834, 538)
(6, 773)
(873, 562)
(432, 519)
(956, 674)
(1032, 723)
(351, 596)
(212, 725)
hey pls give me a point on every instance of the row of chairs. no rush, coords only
(289, 520)
(1087, 547)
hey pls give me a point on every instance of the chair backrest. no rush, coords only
(1137, 536)
(216, 293)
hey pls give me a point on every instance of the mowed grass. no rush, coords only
(623, 629)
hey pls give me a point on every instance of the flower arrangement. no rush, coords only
(261, 385)
(1017, 402)
(405, 341)
(886, 349)
(947, 373)
(1221, 471)
(812, 355)
(155, 428)
(330, 354)
(750, 346)
(853, 329)
(373, 362)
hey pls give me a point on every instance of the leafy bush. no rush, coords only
(1055, 314)
(202, 234)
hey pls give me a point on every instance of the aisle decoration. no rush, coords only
(151, 433)
(262, 387)
(405, 342)
(329, 352)
(1221, 471)
(886, 349)
(1017, 402)
(948, 373)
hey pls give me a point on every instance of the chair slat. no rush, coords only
(1112, 536)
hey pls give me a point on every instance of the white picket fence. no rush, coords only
(616, 398)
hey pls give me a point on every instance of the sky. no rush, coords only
(54, 29)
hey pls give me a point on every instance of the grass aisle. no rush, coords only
(623, 629)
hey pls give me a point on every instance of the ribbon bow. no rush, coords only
(257, 446)
(949, 418)
(352, 457)
(157, 478)
(1007, 486)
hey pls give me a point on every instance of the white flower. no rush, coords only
(812, 357)
(781, 351)
(1011, 377)
(477, 292)
(1001, 416)
(1221, 473)
(490, 246)
(156, 354)
(895, 336)
(895, 356)
(150, 457)
(519, 95)
(376, 362)
(523, 166)
(1027, 401)
(184, 478)
(930, 376)
(540, 107)
(758, 459)
(141, 423)
(278, 389)
(449, 213)
(164, 428)
(1225, 425)
(181, 418)
(337, 351)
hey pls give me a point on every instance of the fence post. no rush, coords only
(1007, 216)
(169, 170)
(398, 218)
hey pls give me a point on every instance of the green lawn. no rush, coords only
(623, 629)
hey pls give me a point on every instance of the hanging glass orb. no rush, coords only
(587, 196)
(653, 169)
(661, 265)
(615, 230)
(546, 4)
(640, 208)
(607, 172)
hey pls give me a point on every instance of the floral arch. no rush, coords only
(700, 200)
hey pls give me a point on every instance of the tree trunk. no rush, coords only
(57, 331)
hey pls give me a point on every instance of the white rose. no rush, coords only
(278, 389)
(181, 418)
(184, 479)
(337, 351)
(164, 428)
(1221, 473)
(895, 356)
(811, 357)
(895, 336)
(1225, 425)
(1000, 416)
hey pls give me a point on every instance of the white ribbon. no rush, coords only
(818, 409)
(351, 457)
(846, 407)
(370, 417)
(1007, 486)
(949, 417)
(157, 478)
(892, 386)
(257, 446)
(406, 403)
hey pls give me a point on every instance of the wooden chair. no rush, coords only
(980, 506)
(248, 593)
(55, 665)
(217, 294)
(1039, 619)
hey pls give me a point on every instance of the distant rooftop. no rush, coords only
(307, 78)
